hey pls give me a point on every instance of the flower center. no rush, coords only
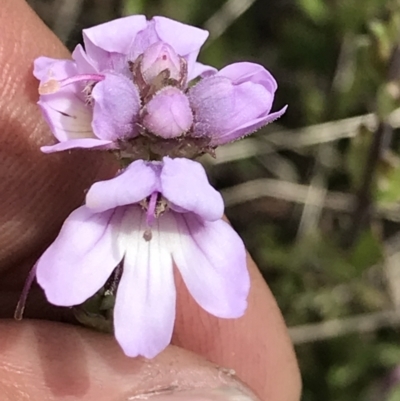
(53, 85)
(155, 205)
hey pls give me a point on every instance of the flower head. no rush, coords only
(132, 90)
(151, 215)
(95, 100)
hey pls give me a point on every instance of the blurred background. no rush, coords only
(316, 195)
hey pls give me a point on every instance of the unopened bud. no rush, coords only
(168, 113)
(158, 58)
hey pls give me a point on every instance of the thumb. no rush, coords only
(50, 362)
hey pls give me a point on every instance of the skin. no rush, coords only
(49, 360)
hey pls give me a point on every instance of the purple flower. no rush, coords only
(132, 90)
(152, 215)
(233, 103)
(95, 99)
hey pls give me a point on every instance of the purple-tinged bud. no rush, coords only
(168, 113)
(160, 57)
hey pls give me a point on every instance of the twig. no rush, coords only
(292, 192)
(314, 201)
(392, 275)
(366, 323)
(364, 200)
(219, 22)
(67, 14)
(298, 139)
(279, 166)
(391, 269)
(346, 64)
(288, 191)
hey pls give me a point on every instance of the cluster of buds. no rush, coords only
(151, 99)
(166, 117)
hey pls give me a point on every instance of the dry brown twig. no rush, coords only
(297, 193)
(297, 139)
(219, 22)
(366, 323)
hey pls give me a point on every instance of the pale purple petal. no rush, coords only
(118, 63)
(114, 36)
(160, 57)
(134, 184)
(221, 107)
(201, 70)
(185, 184)
(185, 39)
(67, 115)
(115, 62)
(116, 108)
(143, 40)
(83, 63)
(144, 312)
(45, 68)
(168, 114)
(85, 143)
(82, 258)
(212, 261)
(249, 72)
(247, 128)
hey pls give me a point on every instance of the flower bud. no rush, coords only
(160, 57)
(168, 113)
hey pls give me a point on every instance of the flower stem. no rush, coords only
(19, 310)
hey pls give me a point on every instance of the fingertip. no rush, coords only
(38, 191)
(257, 346)
(52, 361)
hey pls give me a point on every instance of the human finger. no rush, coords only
(37, 191)
(51, 361)
(256, 346)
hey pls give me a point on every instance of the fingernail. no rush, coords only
(172, 393)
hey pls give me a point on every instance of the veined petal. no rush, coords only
(116, 108)
(247, 128)
(144, 312)
(82, 258)
(45, 68)
(143, 40)
(83, 64)
(185, 39)
(249, 72)
(67, 115)
(114, 36)
(221, 107)
(202, 70)
(84, 143)
(134, 184)
(168, 113)
(184, 183)
(212, 261)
